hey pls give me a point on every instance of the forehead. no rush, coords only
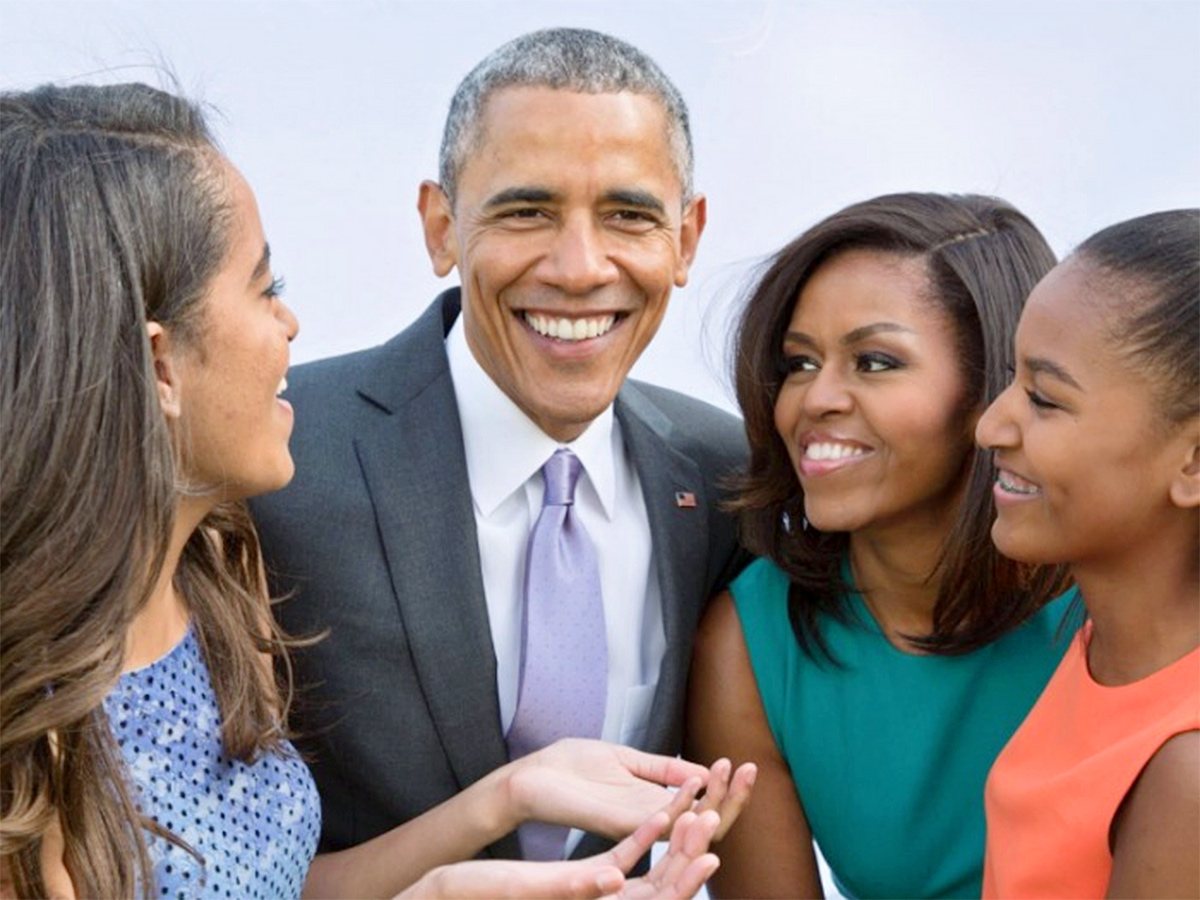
(1068, 308)
(532, 132)
(1069, 319)
(861, 283)
(245, 225)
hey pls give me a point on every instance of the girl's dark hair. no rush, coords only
(983, 258)
(1153, 263)
(115, 213)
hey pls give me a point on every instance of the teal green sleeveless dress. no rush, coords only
(889, 753)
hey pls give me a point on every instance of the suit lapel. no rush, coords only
(679, 534)
(427, 527)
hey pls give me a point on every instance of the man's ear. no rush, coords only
(437, 220)
(1185, 480)
(166, 374)
(695, 215)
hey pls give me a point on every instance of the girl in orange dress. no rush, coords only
(1097, 452)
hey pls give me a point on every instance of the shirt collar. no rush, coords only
(505, 448)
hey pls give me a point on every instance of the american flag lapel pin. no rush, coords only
(685, 499)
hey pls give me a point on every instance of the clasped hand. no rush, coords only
(610, 789)
(602, 787)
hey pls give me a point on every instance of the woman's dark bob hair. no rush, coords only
(983, 257)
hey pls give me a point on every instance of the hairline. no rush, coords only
(551, 59)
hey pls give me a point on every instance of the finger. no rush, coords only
(601, 882)
(696, 838)
(698, 871)
(638, 844)
(741, 787)
(689, 841)
(682, 800)
(671, 865)
(718, 785)
(669, 770)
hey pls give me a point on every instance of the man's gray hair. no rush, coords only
(571, 59)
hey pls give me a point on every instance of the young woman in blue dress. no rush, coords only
(876, 657)
(143, 732)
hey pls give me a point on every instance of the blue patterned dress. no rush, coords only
(256, 825)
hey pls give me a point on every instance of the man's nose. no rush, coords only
(579, 260)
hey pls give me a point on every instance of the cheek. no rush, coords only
(484, 328)
(786, 411)
(655, 269)
(494, 262)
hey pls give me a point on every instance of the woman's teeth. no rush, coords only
(825, 451)
(1015, 484)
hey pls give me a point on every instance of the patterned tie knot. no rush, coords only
(560, 474)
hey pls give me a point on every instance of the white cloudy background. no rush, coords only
(1081, 113)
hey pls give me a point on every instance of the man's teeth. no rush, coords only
(825, 451)
(1015, 484)
(569, 329)
(282, 386)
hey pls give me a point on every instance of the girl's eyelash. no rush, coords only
(1038, 401)
(276, 287)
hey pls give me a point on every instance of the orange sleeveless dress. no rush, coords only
(1054, 789)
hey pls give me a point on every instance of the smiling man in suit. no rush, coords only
(565, 204)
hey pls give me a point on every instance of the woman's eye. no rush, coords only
(275, 288)
(877, 362)
(1038, 401)
(792, 364)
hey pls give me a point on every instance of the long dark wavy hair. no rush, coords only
(983, 257)
(115, 213)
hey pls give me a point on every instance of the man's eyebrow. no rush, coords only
(624, 197)
(635, 198)
(520, 195)
(264, 264)
(1039, 365)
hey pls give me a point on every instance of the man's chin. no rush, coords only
(565, 418)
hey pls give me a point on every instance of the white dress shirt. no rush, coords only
(505, 452)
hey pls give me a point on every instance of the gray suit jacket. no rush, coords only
(375, 541)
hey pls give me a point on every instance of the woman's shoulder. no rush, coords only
(760, 599)
(760, 580)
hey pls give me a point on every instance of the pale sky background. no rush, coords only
(1082, 113)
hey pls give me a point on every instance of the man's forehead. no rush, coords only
(508, 134)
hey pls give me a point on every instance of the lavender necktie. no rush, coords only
(564, 654)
